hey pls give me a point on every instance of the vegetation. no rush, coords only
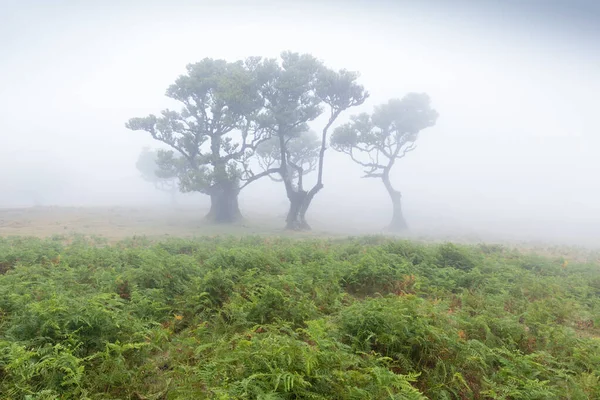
(376, 141)
(262, 318)
(246, 120)
(302, 152)
(301, 89)
(164, 180)
(216, 127)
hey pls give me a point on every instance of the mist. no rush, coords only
(513, 154)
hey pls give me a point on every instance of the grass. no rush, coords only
(256, 317)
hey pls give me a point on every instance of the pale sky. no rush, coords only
(515, 86)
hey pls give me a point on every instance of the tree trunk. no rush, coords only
(398, 223)
(224, 207)
(295, 217)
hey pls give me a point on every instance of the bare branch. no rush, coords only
(407, 150)
(364, 164)
(172, 144)
(260, 175)
(372, 175)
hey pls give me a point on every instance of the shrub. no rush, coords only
(451, 255)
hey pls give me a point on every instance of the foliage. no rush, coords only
(216, 127)
(301, 88)
(262, 318)
(386, 135)
(450, 255)
(147, 165)
(302, 154)
(376, 141)
(237, 116)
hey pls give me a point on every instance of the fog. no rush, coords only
(514, 152)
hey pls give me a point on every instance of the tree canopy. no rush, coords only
(302, 155)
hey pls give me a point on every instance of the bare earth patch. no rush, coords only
(117, 223)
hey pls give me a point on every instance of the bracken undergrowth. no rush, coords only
(273, 318)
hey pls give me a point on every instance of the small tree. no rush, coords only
(217, 129)
(163, 179)
(298, 89)
(376, 141)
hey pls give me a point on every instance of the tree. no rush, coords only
(164, 180)
(376, 141)
(299, 88)
(302, 154)
(217, 129)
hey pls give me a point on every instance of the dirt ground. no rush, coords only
(117, 223)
